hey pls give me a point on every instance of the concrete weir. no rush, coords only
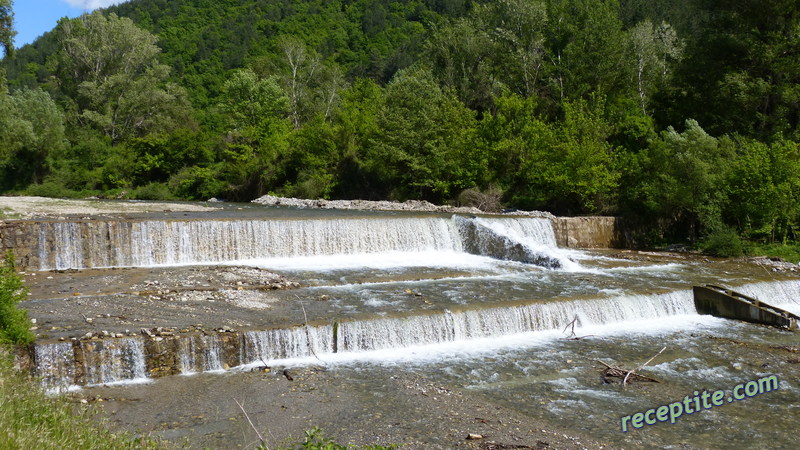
(720, 302)
(159, 352)
(135, 242)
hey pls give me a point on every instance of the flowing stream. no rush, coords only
(488, 302)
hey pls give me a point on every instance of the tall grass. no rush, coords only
(29, 419)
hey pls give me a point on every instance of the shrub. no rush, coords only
(14, 323)
(724, 243)
(490, 200)
(153, 191)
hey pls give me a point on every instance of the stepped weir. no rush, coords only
(366, 284)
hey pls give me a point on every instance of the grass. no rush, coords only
(787, 252)
(31, 419)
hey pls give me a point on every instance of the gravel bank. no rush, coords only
(41, 207)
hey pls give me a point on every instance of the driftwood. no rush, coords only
(572, 336)
(618, 372)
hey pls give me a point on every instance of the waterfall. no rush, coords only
(483, 323)
(783, 294)
(113, 243)
(65, 245)
(528, 240)
(212, 353)
(113, 360)
(288, 343)
(55, 365)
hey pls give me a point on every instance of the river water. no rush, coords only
(488, 305)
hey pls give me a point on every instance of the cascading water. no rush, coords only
(288, 343)
(502, 321)
(55, 365)
(64, 245)
(149, 243)
(111, 361)
(528, 240)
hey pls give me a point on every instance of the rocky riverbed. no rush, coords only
(352, 407)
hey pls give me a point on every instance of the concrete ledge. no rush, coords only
(588, 232)
(728, 304)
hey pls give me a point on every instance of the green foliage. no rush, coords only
(724, 243)
(198, 183)
(575, 106)
(681, 181)
(31, 136)
(7, 32)
(764, 190)
(422, 148)
(14, 323)
(787, 252)
(109, 69)
(31, 419)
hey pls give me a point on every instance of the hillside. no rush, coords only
(681, 115)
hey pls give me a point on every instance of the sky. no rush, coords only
(32, 18)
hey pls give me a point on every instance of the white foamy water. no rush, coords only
(113, 360)
(535, 234)
(317, 244)
(387, 260)
(174, 242)
(489, 346)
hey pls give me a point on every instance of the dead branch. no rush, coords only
(308, 334)
(572, 336)
(618, 372)
(572, 324)
(625, 380)
(260, 438)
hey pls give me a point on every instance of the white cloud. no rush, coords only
(92, 4)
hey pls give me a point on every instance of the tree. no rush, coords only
(14, 323)
(109, 70)
(764, 189)
(741, 73)
(586, 49)
(253, 103)
(655, 50)
(683, 180)
(422, 148)
(7, 32)
(31, 131)
(461, 56)
(257, 133)
(518, 26)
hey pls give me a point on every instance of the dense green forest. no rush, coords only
(681, 115)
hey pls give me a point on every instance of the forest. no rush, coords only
(680, 116)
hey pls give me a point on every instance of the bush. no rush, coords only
(490, 200)
(153, 191)
(51, 189)
(14, 323)
(724, 243)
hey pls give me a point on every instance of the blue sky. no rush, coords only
(32, 18)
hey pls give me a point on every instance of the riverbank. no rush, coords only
(43, 207)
